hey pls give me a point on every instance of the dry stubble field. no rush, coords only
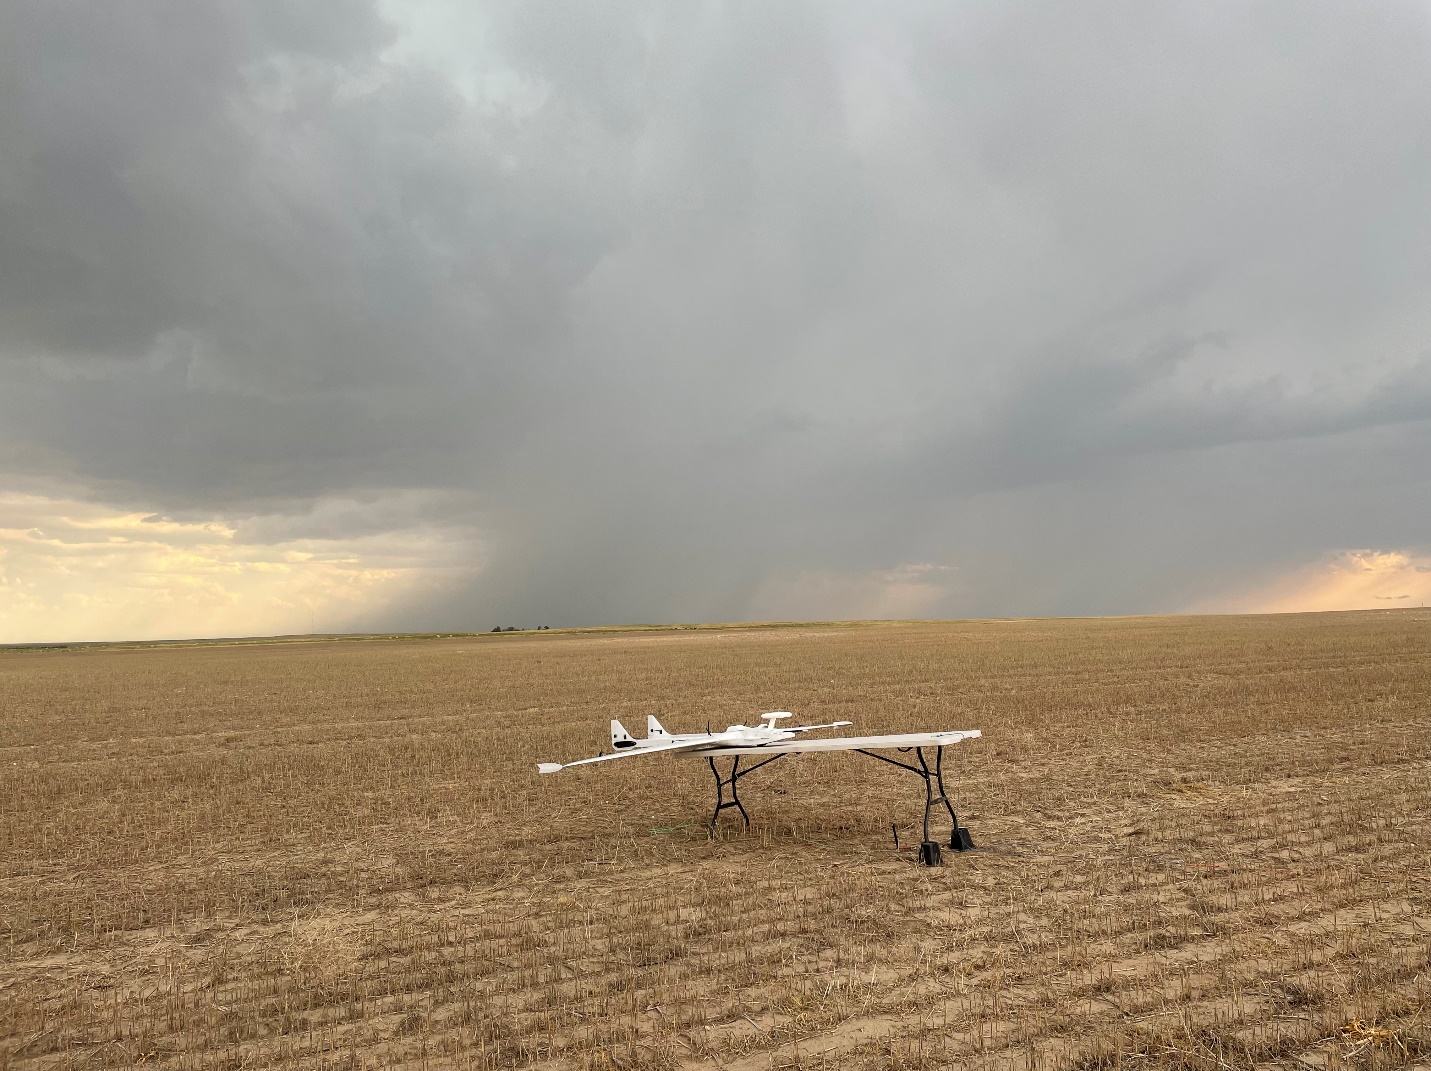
(1204, 843)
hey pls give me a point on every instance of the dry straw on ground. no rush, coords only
(1204, 845)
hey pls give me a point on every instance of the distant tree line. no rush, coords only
(513, 628)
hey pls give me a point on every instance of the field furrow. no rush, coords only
(1203, 843)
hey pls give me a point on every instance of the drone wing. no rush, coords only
(849, 743)
(674, 745)
(807, 728)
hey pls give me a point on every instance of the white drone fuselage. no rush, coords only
(765, 738)
(658, 739)
(765, 733)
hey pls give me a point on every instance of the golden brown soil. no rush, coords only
(1203, 843)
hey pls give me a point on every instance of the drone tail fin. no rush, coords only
(620, 738)
(654, 727)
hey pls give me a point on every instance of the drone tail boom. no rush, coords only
(626, 753)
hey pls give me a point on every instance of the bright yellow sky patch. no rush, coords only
(1352, 580)
(73, 570)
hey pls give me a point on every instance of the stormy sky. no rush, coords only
(445, 315)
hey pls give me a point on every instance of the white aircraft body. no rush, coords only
(765, 739)
(769, 739)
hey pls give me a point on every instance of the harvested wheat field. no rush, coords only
(1203, 843)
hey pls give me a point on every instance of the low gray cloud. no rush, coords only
(1104, 308)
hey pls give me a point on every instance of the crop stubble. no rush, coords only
(1204, 843)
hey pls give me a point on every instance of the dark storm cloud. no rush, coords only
(1106, 305)
(249, 258)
